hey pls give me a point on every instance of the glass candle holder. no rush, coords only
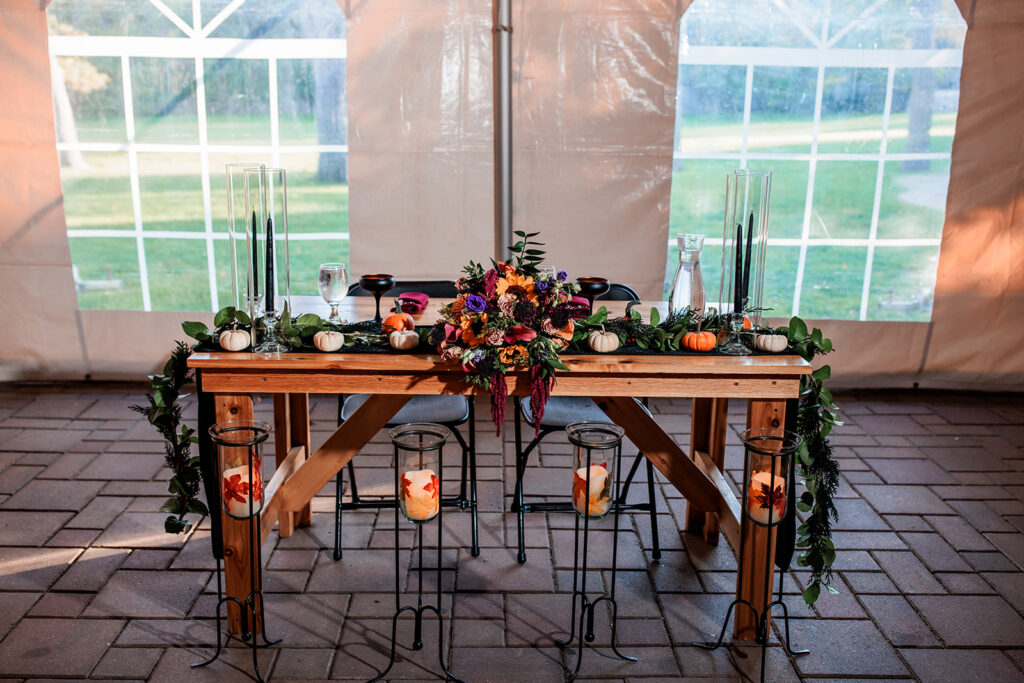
(240, 462)
(266, 214)
(245, 285)
(768, 457)
(597, 448)
(744, 249)
(418, 450)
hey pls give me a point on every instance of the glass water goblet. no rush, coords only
(333, 283)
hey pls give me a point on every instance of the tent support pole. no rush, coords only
(502, 128)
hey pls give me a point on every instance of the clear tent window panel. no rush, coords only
(152, 99)
(852, 106)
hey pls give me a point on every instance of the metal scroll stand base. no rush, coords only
(252, 602)
(579, 586)
(763, 633)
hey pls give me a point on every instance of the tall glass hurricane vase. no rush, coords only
(266, 205)
(744, 247)
(242, 254)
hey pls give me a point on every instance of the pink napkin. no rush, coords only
(412, 302)
(580, 301)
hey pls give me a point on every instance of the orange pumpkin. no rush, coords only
(699, 341)
(397, 321)
(746, 323)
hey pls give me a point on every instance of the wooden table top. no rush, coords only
(415, 363)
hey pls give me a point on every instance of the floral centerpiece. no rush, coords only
(511, 316)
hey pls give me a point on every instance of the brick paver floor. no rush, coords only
(930, 542)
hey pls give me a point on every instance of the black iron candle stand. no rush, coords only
(241, 494)
(767, 460)
(418, 478)
(594, 495)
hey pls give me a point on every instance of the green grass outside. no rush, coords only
(99, 197)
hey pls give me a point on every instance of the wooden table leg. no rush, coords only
(291, 428)
(298, 408)
(282, 444)
(753, 583)
(708, 424)
(237, 571)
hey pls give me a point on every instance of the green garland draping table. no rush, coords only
(770, 383)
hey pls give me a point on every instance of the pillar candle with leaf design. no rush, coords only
(767, 459)
(240, 457)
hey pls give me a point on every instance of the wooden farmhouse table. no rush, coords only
(227, 382)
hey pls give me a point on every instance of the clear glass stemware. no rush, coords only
(333, 283)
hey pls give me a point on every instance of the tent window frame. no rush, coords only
(199, 46)
(822, 55)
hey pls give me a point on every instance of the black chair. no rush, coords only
(559, 412)
(450, 411)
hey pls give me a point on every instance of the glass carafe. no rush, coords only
(688, 283)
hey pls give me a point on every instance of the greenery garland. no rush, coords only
(163, 410)
(816, 463)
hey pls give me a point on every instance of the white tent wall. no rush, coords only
(594, 100)
(421, 158)
(594, 88)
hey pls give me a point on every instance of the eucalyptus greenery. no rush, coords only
(163, 410)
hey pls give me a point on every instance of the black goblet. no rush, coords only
(377, 284)
(592, 287)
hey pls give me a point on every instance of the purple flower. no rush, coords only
(476, 303)
(479, 356)
(542, 285)
(562, 275)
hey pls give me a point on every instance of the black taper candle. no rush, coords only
(746, 261)
(269, 288)
(255, 260)
(738, 275)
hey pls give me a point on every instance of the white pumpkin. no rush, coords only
(234, 340)
(403, 340)
(328, 340)
(773, 343)
(602, 341)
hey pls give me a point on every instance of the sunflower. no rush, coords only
(473, 329)
(520, 285)
(514, 355)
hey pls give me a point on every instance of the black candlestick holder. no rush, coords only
(593, 498)
(419, 462)
(767, 495)
(592, 287)
(377, 284)
(242, 441)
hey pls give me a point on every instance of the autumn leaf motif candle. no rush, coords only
(595, 500)
(766, 499)
(240, 462)
(238, 490)
(421, 495)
